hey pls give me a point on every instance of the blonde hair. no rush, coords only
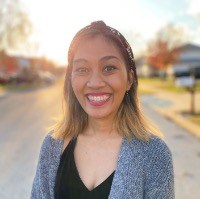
(129, 120)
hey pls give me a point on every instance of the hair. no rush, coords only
(129, 120)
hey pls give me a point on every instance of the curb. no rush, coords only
(180, 120)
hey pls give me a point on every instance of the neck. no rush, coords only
(100, 128)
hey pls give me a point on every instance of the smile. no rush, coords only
(98, 98)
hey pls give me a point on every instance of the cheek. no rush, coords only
(77, 85)
(119, 83)
(76, 89)
(74, 84)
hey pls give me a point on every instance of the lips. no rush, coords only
(98, 99)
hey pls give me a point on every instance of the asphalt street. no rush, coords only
(25, 115)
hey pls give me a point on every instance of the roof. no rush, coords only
(189, 62)
(188, 46)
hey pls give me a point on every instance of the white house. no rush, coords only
(188, 58)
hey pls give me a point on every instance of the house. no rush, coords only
(188, 58)
(17, 64)
(144, 69)
(13, 64)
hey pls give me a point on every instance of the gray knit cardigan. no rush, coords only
(144, 170)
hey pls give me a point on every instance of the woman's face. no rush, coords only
(99, 77)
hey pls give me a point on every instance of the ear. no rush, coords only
(130, 79)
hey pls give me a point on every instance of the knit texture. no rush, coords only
(144, 170)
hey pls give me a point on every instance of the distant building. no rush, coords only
(188, 58)
(144, 69)
(23, 62)
(17, 64)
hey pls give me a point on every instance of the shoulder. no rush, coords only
(47, 164)
(154, 156)
(153, 149)
(153, 145)
(158, 169)
(47, 141)
(50, 144)
(158, 157)
(157, 146)
(149, 165)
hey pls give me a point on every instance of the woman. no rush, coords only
(102, 147)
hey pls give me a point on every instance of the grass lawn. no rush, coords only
(23, 86)
(1, 88)
(19, 87)
(144, 91)
(165, 84)
(28, 86)
(195, 118)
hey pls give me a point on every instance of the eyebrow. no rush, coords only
(102, 59)
(109, 57)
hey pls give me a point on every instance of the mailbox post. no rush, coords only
(188, 83)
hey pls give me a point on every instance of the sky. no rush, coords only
(56, 21)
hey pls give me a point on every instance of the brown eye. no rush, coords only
(81, 70)
(109, 68)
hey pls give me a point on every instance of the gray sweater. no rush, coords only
(144, 170)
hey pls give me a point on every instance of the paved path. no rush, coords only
(23, 119)
(172, 105)
(180, 102)
(186, 154)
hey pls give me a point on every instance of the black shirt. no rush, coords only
(69, 184)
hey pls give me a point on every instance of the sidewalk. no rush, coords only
(172, 104)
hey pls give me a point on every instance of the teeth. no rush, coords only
(98, 98)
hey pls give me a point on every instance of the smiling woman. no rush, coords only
(103, 147)
(100, 81)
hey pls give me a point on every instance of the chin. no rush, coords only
(99, 115)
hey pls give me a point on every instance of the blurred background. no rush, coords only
(34, 39)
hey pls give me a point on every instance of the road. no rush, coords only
(24, 116)
(23, 119)
(185, 149)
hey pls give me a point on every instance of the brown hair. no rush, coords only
(129, 119)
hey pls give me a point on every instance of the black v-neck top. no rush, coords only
(69, 184)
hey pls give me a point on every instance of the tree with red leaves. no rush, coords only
(160, 54)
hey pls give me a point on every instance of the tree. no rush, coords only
(161, 51)
(160, 55)
(15, 25)
(175, 35)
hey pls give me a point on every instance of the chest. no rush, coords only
(96, 161)
(128, 178)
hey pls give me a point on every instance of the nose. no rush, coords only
(96, 81)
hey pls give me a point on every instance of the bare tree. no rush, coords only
(174, 35)
(15, 25)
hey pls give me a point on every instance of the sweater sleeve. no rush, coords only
(40, 182)
(159, 174)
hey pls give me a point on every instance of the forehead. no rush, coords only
(96, 47)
